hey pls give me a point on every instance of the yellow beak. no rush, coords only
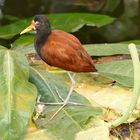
(29, 28)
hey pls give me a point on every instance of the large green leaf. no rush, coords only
(2, 47)
(69, 22)
(109, 49)
(71, 119)
(8, 31)
(72, 22)
(17, 95)
(120, 71)
(25, 40)
(24, 44)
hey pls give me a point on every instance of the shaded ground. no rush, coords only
(127, 131)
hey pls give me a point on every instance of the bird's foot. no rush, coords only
(62, 103)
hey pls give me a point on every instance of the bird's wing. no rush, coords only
(65, 51)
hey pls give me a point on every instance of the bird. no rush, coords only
(60, 49)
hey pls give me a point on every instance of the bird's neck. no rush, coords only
(40, 40)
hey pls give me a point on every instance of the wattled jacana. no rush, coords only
(60, 49)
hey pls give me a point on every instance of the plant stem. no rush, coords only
(136, 90)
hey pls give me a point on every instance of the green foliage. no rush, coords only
(109, 49)
(72, 117)
(8, 31)
(2, 47)
(23, 41)
(17, 95)
(20, 82)
(136, 90)
(119, 71)
(24, 45)
(71, 22)
(67, 22)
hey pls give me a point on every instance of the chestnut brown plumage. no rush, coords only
(60, 49)
(65, 51)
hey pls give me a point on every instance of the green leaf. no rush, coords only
(2, 48)
(120, 71)
(69, 22)
(8, 31)
(109, 49)
(71, 119)
(137, 42)
(24, 44)
(17, 95)
(25, 40)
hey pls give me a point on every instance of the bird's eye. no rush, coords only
(37, 23)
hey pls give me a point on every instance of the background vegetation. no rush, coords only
(105, 28)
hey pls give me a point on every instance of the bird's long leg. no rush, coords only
(58, 103)
(66, 101)
(69, 102)
(71, 89)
